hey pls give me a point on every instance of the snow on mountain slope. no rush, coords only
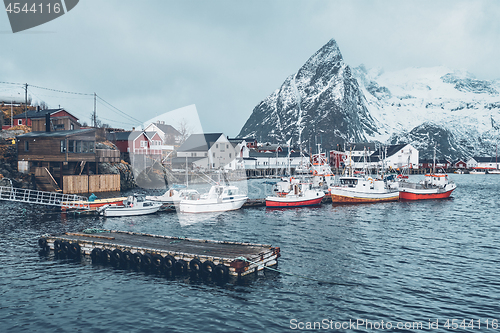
(321, 101)
(426, 105)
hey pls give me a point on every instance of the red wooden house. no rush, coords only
(460, 164)
(137, 142)
(337, 158)
(60, 120)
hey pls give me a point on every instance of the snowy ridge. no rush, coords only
(426, 105)
(327, 102)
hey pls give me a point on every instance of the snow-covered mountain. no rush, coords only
(320, 103)
(423, 106)
(327, 101)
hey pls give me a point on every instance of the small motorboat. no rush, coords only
(292, 193)
(134, 205)
(220, 198)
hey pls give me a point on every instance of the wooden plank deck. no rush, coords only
(186, 249)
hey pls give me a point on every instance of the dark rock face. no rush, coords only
(322, 102)
(425, 136)
(469, 84)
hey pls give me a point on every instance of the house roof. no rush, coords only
(200, 142)
(128, 135)
(38, 114)
(167, 129)
(56, 133)
(485, 159)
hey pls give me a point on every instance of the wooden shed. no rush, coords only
(53, 156)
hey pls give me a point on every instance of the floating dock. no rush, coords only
(219, 259)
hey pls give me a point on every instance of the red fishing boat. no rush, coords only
(292, 193)
(434, 186)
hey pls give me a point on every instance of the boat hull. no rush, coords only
(210, 206)
(277, 202)
(339, 198)
(423, 195)
(117, 211)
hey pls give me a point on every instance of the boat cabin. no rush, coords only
(439, 180)
(349, 181)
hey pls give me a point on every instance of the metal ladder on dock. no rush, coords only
(70, 201)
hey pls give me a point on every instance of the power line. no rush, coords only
(104, 102)
(120, 111)
(61, 91)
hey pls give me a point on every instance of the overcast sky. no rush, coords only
(150, 57)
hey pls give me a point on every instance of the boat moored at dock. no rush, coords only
(220, 198)
(434, 186)
(293, 193)
(363, 190)
(134, 205)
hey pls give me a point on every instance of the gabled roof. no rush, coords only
(393, 149)
(128, 135)
(485, 159)
(200, 142)
(38, 114)
(167, 129)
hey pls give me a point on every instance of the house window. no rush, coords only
(213, 154)
(216, 145)
(78, 146)
(19, 121)
(229, 155)
(71, 146)
(63, 146)
(206, 154)
(71, 127)
(26, 146)
(85, 147)
(144, 144)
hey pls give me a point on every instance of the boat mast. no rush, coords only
(187, 177)
(434, 161)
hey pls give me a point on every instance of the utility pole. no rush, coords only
(26, 104)
(94, 116)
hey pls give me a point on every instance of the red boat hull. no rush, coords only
(422, 196)
(302, 203)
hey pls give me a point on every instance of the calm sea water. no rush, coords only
(399, 263)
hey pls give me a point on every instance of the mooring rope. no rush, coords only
(297, 275)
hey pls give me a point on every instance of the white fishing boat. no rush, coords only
(361, 189)
(293, 193)
(134, 205)
(220, 198)
(173, 196)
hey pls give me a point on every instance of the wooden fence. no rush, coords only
(91, 184)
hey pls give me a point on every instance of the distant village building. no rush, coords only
(270, 148)
(59, 120)
(437, 164)
(482, 163)
(169, 135)
(206, 151)
(460, 164)
(390, 156)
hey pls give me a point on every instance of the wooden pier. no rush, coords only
(219, 259)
